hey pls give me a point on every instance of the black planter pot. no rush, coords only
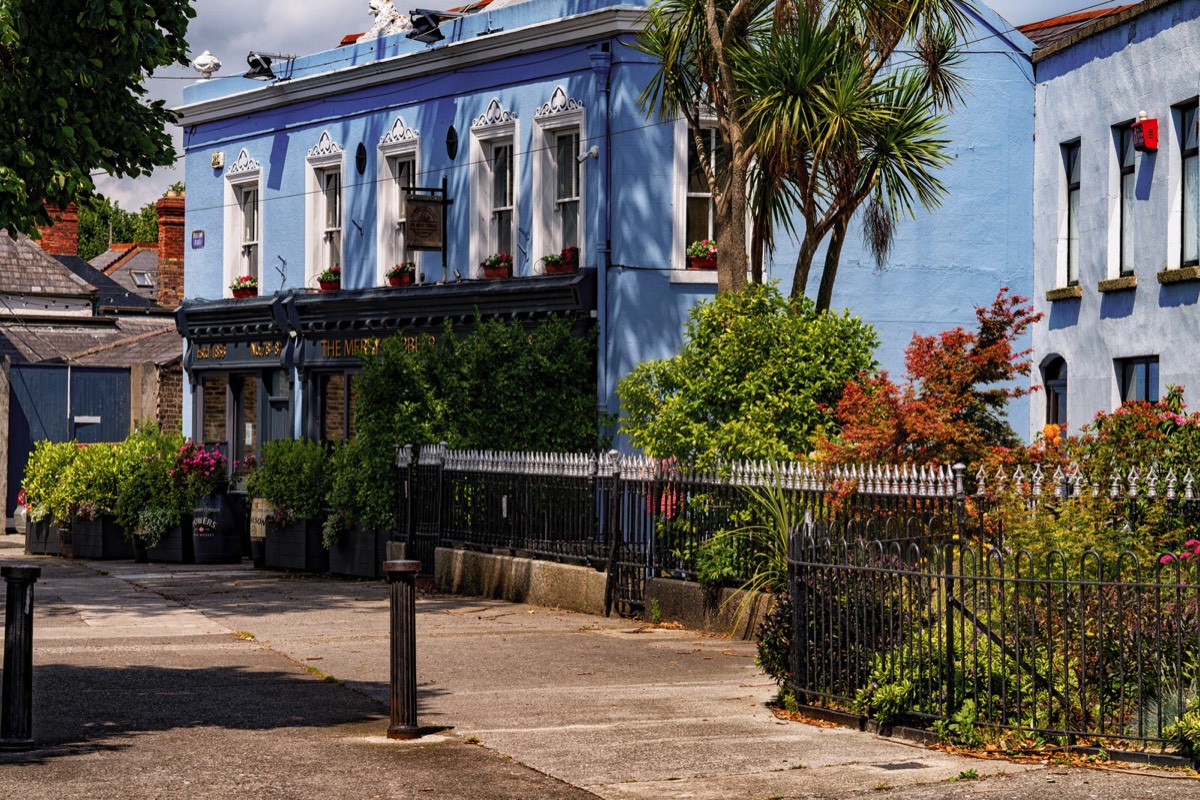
(99, 539)
(43, 539)
(175, 547)
(359, 553)
(296, 546)
(215, 535)
(239, 505)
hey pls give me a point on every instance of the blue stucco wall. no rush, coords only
(944, 262)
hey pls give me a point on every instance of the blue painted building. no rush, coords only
(527, 114)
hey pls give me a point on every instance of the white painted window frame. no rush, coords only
(561, 114)
(324, 156)
(495, 125)
(679, 272)
(1062, 251)
(244, 173)
(399, 144)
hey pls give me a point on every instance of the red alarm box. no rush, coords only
(1145, 134)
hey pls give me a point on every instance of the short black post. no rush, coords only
(16, 708)
(401, 577)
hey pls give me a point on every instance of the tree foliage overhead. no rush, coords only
(816, 116)
(72, 99)
(757, 376)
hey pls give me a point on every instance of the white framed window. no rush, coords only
(1189, 216)
(397, 170)
(323, 202)
(242, 249)
(695, 212)
(1123, 203)
(1068, 234)
(558, 177)
(494, 185)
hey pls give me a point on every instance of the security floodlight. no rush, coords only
(260, 65)
(591, 152)
(425, 24)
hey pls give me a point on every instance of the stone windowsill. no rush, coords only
(1065, 293)
(694, 276)
(1179, 275)
(1121, 284)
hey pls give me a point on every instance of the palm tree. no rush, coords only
(844, 127)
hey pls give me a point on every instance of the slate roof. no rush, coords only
(97, 341)
(113, 295)
(120, 261)
(27, 269)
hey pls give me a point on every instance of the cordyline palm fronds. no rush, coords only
(815, 113)
(847, 130)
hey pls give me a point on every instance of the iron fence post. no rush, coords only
(948, 553)
(612, 531)
(401, 577)
(403, 526)
(16, 709)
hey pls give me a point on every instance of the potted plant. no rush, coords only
(91, 486)
(362, 492)
(566, 261)
(153, 507)
(42, 484)
(702, 254)
(497, 265)
(293, 478)
(330, 279)
(216, 537)
(402, 274)
(245, 286)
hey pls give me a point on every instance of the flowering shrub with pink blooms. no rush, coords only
(201, 470)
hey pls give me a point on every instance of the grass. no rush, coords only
(966, 775)
(247, 635)
(316, 673)
(472, 740)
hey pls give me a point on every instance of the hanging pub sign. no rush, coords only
(423, 218)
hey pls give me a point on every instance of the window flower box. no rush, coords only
(702, 254)
(330, 280)
(498, 265)
(245, 286)
(562, 263)
(403, 274)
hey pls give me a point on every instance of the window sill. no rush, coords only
(1179, 275)
(701, 276)
(1122, 284)
(1065, 293)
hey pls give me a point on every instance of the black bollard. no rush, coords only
(16, 708)
(401, 576)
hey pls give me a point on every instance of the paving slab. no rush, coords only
(213, 677)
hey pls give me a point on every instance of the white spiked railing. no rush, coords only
(1037, 481)
(873, 479)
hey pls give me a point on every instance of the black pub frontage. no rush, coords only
(283, 366)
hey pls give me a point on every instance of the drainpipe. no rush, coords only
(602, 67)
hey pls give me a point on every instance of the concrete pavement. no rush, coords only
(170, 681)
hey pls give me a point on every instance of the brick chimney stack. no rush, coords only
(61, 236)
(170, 249)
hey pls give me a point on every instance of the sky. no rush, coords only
(230, 29)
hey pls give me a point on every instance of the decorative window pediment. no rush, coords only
(243, 164)
(399, 132)
(496, 114)
(325, 146)
(559, 103)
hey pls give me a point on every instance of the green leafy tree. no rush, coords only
(756, 377)
(101, 218)
(72, 99)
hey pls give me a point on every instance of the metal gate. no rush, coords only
(420, 504)
(60, 403)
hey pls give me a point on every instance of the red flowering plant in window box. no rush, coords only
(245, 286)
(497, 265)
(402, 274)
(702, 254)
(330, 279)
(565, 261)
